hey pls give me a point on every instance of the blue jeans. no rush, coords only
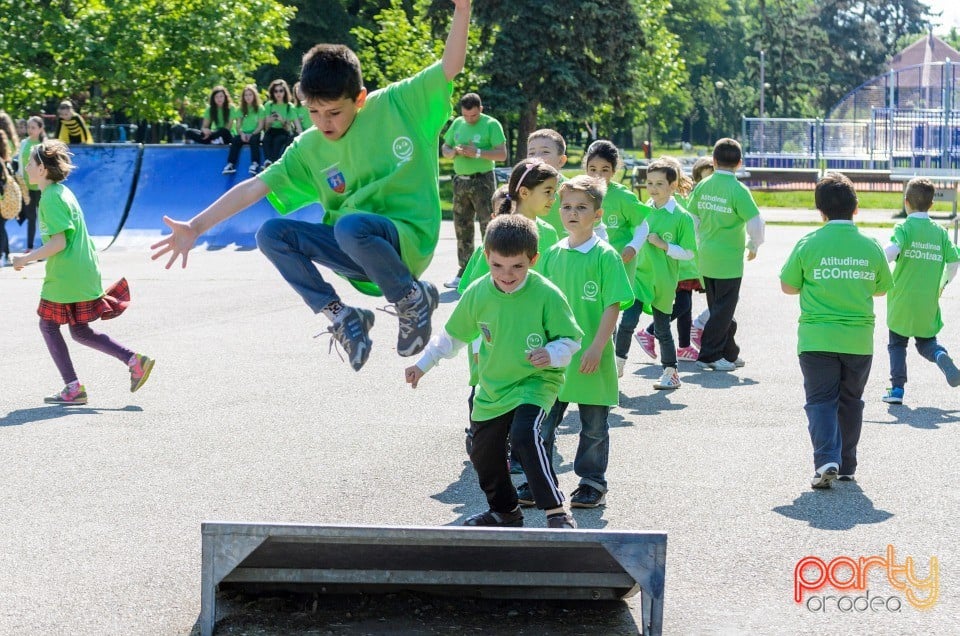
(833, 384)
(360, 246)
(593, 450)
(629, 320)
(929, 348)
(661, 327)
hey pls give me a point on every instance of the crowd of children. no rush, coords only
(541, 298)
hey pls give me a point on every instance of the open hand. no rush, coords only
(590, 360)
(177, 244)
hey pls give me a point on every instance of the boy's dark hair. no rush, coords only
(673, 170)
(836, 197)
(727, 153)
(699, 167)
(594, 187)
(552, 135)
(920, 193)
(511, 235)
(470, 101)
(330, 72)
(605, 150)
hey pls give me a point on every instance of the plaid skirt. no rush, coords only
(691, 284)
(113, 303)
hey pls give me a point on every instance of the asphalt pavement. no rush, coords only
(248, 417)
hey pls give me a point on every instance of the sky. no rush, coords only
(950, 17)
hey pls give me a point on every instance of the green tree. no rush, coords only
(581, 60)
(145, 58)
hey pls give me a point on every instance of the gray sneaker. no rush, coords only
(414, 318)
(562, 521)
(949, 369)
(353, 334)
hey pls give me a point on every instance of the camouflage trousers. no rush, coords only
(472, 199)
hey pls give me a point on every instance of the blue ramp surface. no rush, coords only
(181, 180)
(103, 183)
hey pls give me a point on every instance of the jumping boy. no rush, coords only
(528, 336)
(371, 161)
(589, 271)
(726, 213)
(926, 260)
(837, 271)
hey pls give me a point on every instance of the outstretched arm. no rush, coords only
(455, 50)
(184, 236)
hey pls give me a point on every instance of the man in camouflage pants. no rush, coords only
(476, 142)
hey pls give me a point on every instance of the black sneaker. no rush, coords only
(414, 318)
(846, 478)
(496, 519)
(525, 496)
(586, 496)
(561, 521)
(353, 334)
(823, 477)
(949, 369)
(468, 442)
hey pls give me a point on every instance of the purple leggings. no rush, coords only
(83, 334)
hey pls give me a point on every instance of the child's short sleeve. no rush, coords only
(899, 237)
(792, 271)
(744, 205)
(950, 254)
(55, 217)
(558, 320)
(617, 288)
(426, 97)
(291, 177)
(884, 277)
(462, 323)
(687, 236)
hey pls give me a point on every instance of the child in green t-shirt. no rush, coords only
(249, 124)
(926, 261)
(837, 271)
(217, 126)
(726, 214)
(528, 336)
(371, 161)
(549, 146)
(589, 271)
(689, 281)
(72, 292)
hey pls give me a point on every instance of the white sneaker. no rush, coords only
(453, 283)
(228, 169)
(4, 262)
(740, 362)
(669, 380)
(718, 365)
(254, 168)
(824, 475)
(621, 362)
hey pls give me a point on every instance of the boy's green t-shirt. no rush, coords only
(838, 270)
(477, 267)
(723, 205)
(385, 164)
(510, 325)
(622, 214)
(249, 122)
(73, 274)
(485, 134)
(913, 307)
(657, 273)
(688, 269)
(592, 281)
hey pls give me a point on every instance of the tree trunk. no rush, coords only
(528, 123)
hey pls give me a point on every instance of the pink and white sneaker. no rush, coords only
(687, 354)
(647, 343)
(74, 395)
(696, 335)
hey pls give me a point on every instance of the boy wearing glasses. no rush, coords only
(371, 161)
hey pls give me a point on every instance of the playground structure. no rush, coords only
(904, 119)
(125, 190)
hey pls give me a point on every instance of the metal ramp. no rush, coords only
(478, 562)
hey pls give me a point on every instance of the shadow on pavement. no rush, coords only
(924, 417)
(842, 507)
(56, 411)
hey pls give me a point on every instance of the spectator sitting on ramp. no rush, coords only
(371, 161)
